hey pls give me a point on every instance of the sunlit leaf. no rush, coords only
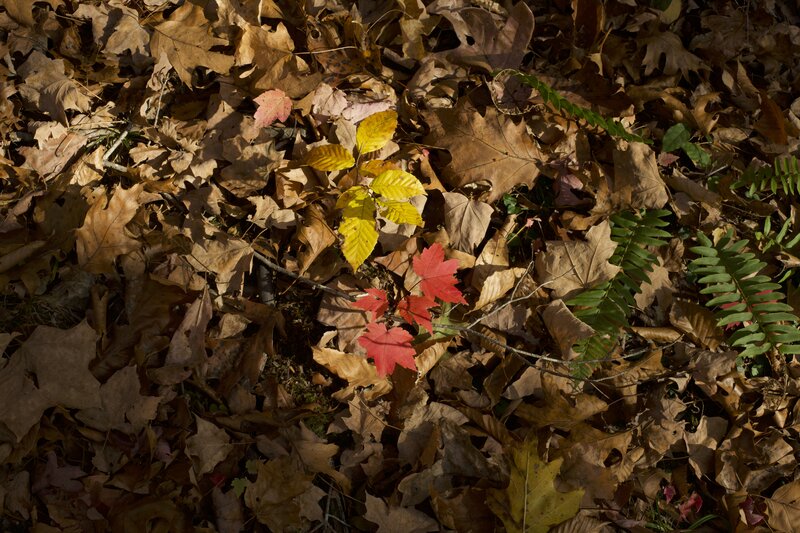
(397, 185)
(400, 212)
(375, 131)
(330, 157)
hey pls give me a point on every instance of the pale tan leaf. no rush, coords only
(391, 519)
(208, 447)
(355, 370)
(497, 285)
(568, 267)
(565, 328)
(637, 180)
(466, 220)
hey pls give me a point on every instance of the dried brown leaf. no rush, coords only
(491, 148)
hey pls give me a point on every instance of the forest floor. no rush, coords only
(408, 265)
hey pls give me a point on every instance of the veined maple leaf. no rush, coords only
(376, 301)
(416, 309)
(437, 276)
(388, 348)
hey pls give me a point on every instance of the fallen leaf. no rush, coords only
(482, 44)
(491, 148)
(531, 502)
(186, 40)
(391, 519)
(272, 105)
(355, 370)
(50, 369)
(208, 447)
(103, 237)
(637, 180)
(567, 267)
(466, 220)
(283, 496)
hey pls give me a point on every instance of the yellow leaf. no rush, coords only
(330, 157)
(358, 225)
(376, 166)
(531, 503)
(375, 131)
(397, 185)
(400, 212)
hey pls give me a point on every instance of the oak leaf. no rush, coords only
(437, 276)
(103, 238)
(388, 348)
(187, 41)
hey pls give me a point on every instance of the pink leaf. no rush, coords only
(693, 503)
(272, 105)
(388, 348)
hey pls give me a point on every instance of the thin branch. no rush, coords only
(301, 279)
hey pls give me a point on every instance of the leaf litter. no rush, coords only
(271, 267)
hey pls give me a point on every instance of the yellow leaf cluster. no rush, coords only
(389, 193)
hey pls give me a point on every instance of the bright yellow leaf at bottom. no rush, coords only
(531, 503)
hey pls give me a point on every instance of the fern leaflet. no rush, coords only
(783, 175)
(561, 104)
(606, 308)
(745, 297)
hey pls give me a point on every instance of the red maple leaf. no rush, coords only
(415, 309)
(388, 348)
(437, 276)
(376, 301)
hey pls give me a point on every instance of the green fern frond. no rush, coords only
(745, 297)
(783, 175)
(561, 104)
(606, 308)
(781, 239)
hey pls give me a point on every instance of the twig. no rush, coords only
(301, 279)
(110, 151)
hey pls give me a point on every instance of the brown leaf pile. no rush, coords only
(179, 348)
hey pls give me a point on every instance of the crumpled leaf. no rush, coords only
(568, 267)
(355, 370)
(531, 503)
(482, 44)
(637, 180)
(491, 148)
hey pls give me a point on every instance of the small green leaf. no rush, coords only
(675, 138)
